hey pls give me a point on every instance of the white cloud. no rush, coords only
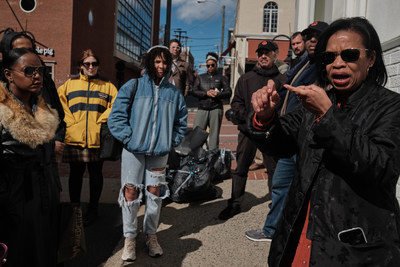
(190, 10)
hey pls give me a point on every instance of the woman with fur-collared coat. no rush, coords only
(29, 186)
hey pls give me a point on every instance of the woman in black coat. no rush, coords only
(29, 184)
(342, 208)
(24, 39)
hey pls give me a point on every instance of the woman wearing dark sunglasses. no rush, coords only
(29, 186)
(25, 39)
(87, 100)
(211, 88)
(342, 208)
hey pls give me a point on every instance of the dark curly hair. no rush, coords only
(152, 54)
(370, 41)
(10, 36)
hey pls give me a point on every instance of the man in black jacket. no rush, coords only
(247, 84)
(210, 88)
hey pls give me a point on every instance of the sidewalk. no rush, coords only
(190, 234)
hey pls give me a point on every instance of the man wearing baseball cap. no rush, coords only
(303, 74)
(248, 83)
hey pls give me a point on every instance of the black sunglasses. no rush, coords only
(348, 55)
(312, 34)
(30, 71)
(210, 65)
(87, 64)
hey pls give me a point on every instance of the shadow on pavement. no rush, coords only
(177, 224)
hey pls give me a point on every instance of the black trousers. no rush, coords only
(245, 152)
(77, 169)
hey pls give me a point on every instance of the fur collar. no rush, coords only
(25, 128)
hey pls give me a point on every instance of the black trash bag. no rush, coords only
(222, 164)
(194, 138)
(192, 181)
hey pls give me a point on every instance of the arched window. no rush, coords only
(270, 23)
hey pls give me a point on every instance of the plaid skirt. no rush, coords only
(80, 154)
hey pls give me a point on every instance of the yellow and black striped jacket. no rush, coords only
(87, 103)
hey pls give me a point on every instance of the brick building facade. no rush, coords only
(70, 26)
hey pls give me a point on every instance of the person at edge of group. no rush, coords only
(87, 99)
(29, 185)
(155, 123)
(211, 88)
(297, 43)
(281, 65)
(181, 73)
(342, 208)
(12, 40)
(248, 83)
(285, 167)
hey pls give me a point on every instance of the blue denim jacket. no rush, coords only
(157, 120)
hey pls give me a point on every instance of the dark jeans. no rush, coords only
(245, 152)
(77, 169)
(280, 187)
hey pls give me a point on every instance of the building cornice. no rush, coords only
(395, 42)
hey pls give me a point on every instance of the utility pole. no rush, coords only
(167, 33)
(186, 49)
(222, 35)
(179, 35)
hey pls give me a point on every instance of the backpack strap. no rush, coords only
(133, 94)
(285, 102)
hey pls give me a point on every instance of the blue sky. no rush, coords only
(202, 23)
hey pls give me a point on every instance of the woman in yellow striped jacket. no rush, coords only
(87, 100)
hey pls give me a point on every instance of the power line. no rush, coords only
(202, 45)
(204, 38)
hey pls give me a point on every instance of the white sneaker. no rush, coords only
(155, 249)
(129, 253)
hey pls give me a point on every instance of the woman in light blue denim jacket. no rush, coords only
(154, 124)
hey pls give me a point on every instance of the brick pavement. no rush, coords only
(228, 140)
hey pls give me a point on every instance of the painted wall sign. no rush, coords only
(45, 51)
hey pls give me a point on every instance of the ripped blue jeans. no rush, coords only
(136, 171)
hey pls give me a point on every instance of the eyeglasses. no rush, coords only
(87, 64)
(348, 55)
(210, 65)
(176, 47)
(312, 34)
(31, 70)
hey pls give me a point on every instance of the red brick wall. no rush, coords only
(51, 24)
(64, 26)
(99, 36)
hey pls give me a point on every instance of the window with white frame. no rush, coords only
(270, 19)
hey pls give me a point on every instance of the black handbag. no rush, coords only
(110, 147)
